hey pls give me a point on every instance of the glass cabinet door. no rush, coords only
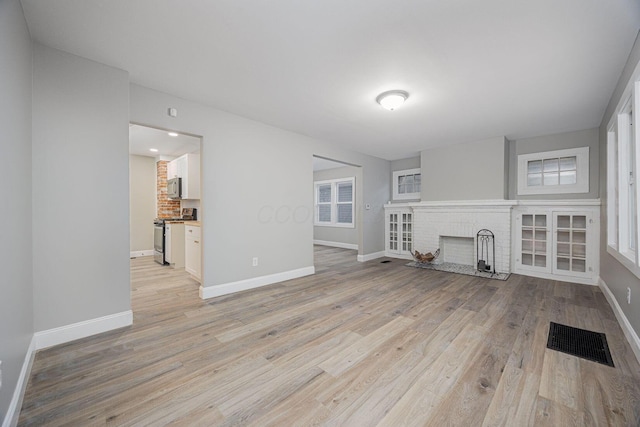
(407, 232)
(570, 243)
(534, 241)
(393, 232)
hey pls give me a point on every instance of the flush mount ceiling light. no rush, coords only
(155, 150)
(392, 99)
(173, 134)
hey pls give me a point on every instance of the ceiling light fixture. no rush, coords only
(155, 150)
(392, 99)
(173, 134)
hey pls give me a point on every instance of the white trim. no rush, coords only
(135, 254)
(369, 257)
(255, 282)
(336, 244)
(582, 172)
(493, 204)
(13, 412)
(390, 254)
(591, 281)
(629, 333)
(476, 204)
(82, 329)
(394, 184)
(563, 203)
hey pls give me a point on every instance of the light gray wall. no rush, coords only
(403, 164)
(268, 211)
(340, 234)
(80, 189)
(142, 201)
(561, 141)
(614, 274)
(472, 171)
(16, 292)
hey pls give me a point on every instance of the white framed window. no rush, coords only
(623, 163)
(554, 172)
(335, 202)
(407, 184)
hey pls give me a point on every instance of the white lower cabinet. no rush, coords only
(398, 232)
(193, 251)
(557, 243)
(174, 244)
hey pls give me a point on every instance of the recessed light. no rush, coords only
(155, 150)
(392, 99)
(173, 134)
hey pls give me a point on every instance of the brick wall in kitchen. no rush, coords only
(166, 208)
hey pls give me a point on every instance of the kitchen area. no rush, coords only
(165, 198)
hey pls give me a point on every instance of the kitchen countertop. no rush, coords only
(196, 223)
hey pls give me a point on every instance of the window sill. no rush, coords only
(624, 260)
(321, 224)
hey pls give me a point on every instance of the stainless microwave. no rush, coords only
(174, 188)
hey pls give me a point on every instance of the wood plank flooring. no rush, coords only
(357, 344)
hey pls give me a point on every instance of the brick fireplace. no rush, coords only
(452, 227)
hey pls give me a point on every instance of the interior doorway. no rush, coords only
(159, 214)
(337, 219)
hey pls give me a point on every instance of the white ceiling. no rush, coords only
(474, 69)
(142, 139)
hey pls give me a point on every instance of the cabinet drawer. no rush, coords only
(192, 231)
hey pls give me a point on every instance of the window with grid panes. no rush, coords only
(335, 202)
(554, 172)
(407, 184)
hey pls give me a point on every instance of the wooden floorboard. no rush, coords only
(356, 344)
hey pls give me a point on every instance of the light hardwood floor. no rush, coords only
(357, 344)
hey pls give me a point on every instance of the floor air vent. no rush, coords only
(579, 342)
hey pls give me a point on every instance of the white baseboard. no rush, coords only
(336, 244)
(13, 412)
(83, 329)
(369, 257)
(135, 254)
(629, 333)
(256, 282)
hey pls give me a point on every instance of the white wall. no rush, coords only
(342, 235)
(473, 171)
(256, 198)
(16, 296)
(615, 275)
(142, 202)
(561, 141)
(80, 189)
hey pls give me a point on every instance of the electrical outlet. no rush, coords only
(628, 295)
(255, 261)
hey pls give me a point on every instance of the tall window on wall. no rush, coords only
(622, 182)
(407, 184)
(335, 202)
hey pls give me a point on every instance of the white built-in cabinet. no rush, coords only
(186, 167)
(192, 251)
(174, 244)
(557, 242)
(398, 231)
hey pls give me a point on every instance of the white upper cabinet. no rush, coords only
(186, 167)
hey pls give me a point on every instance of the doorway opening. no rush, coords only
(164, 202)
(337, 195)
